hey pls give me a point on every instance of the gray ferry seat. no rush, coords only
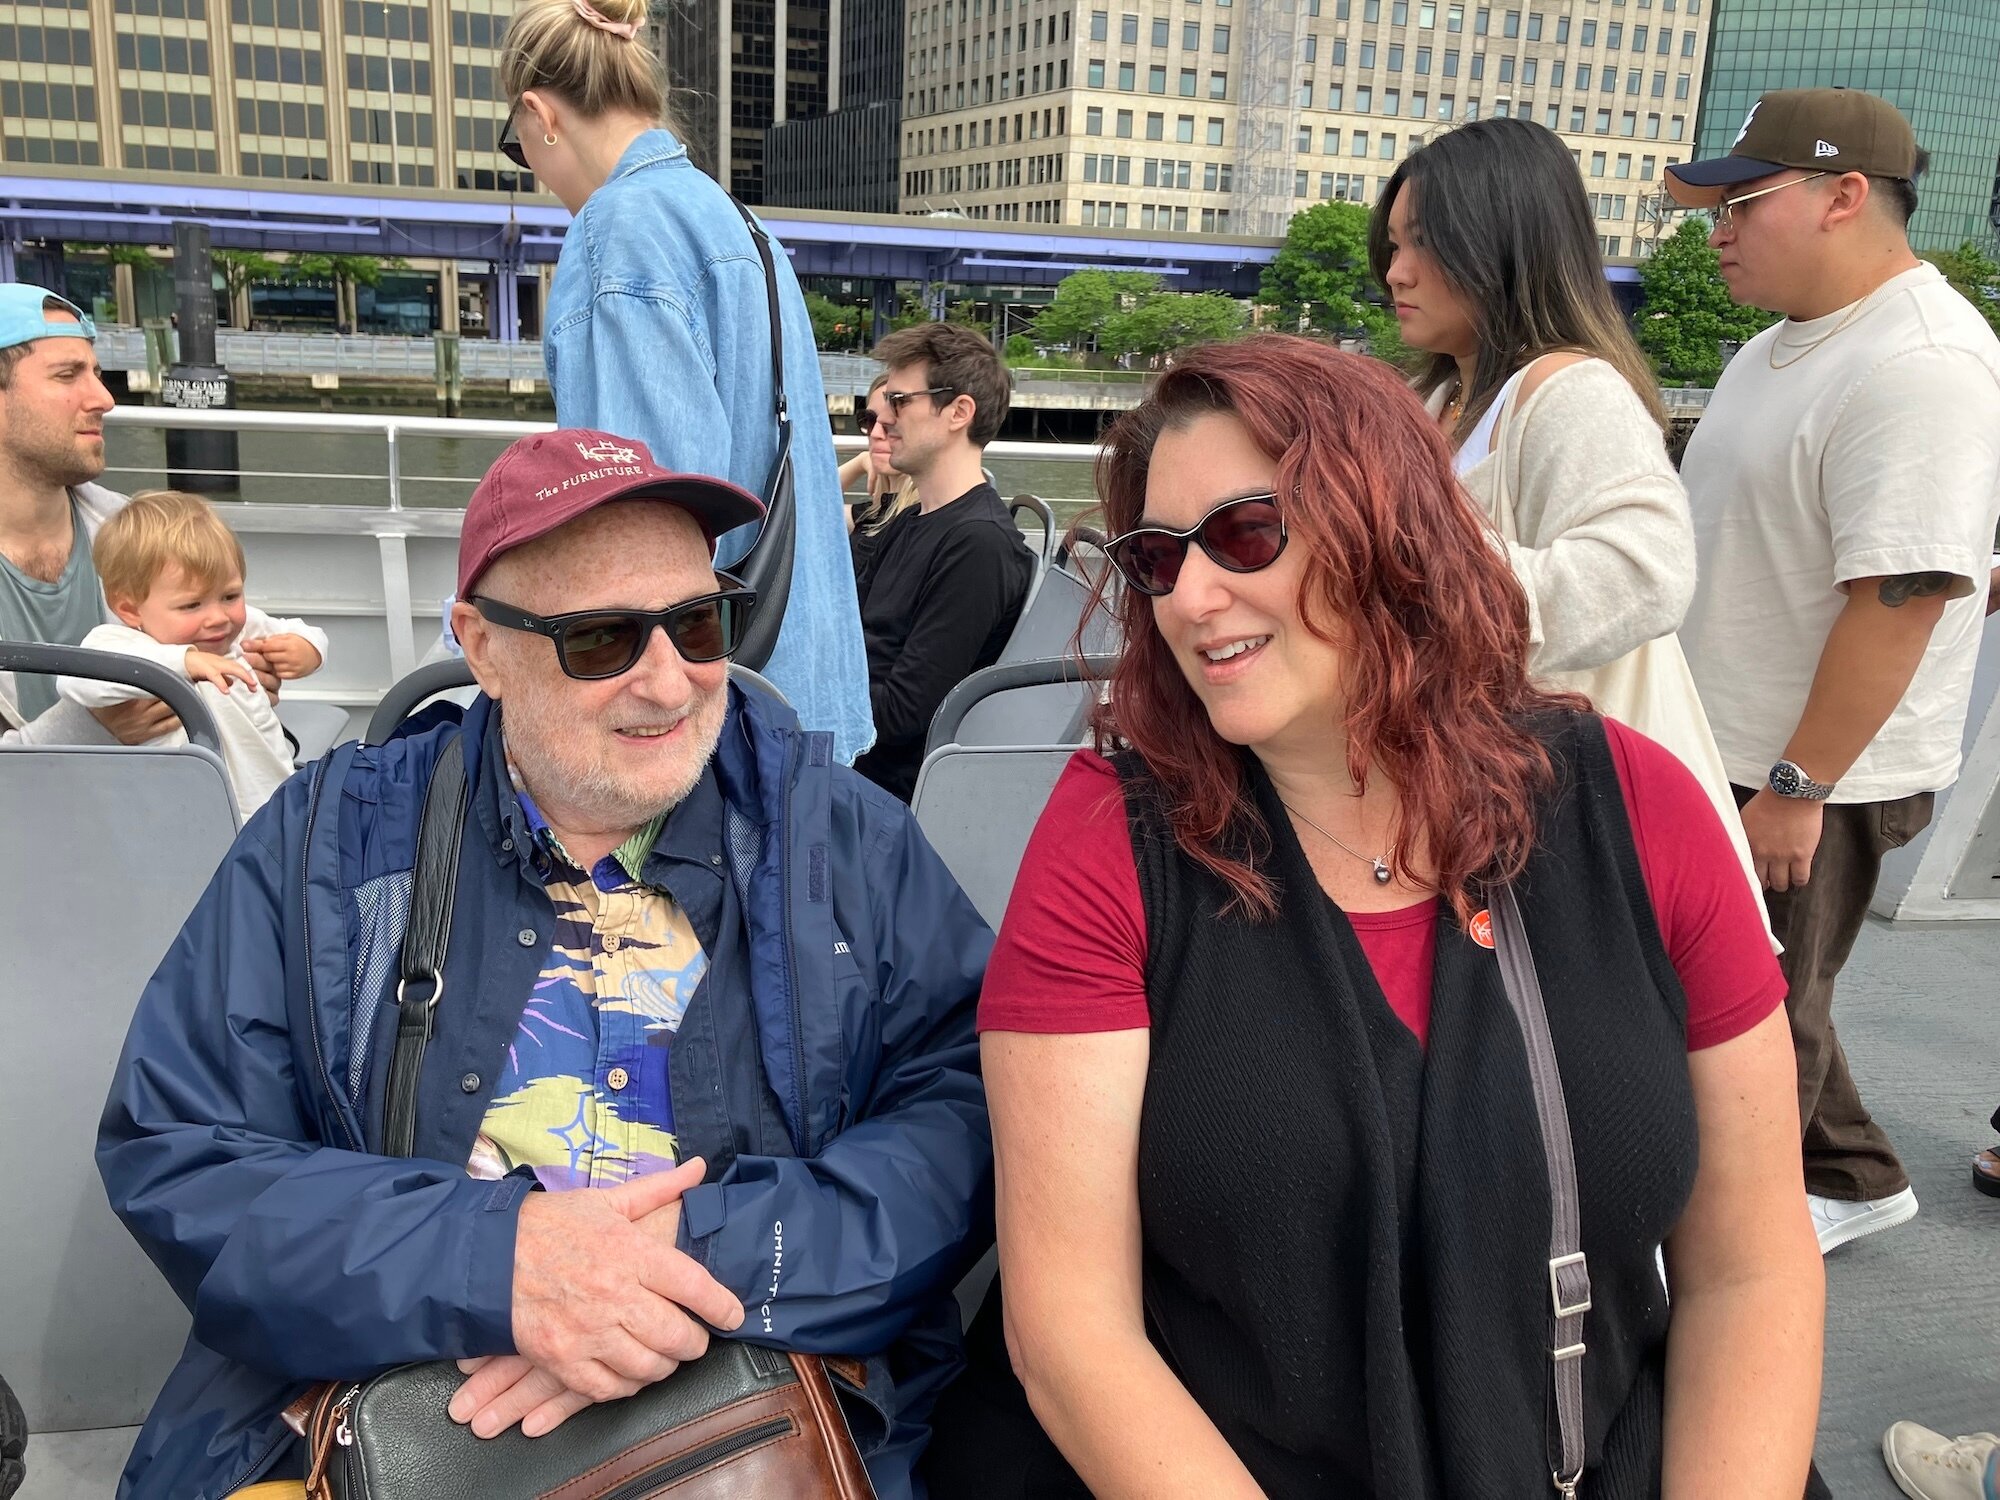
(452, 677)
(113, 845)
(1049, 710)
(1035, 509)
(977, 804)
(317, 727)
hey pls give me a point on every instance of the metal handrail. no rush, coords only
(109, 666)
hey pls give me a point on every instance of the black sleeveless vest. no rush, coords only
(1346, 1238)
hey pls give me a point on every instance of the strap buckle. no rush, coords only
(1567, 1487)
(429, 1002)
(1559, 1264)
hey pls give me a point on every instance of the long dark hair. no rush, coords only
(1500, 207)
(1399, 569)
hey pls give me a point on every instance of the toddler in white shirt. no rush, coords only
(172, 573)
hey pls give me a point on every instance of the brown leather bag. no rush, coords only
(742, 1421)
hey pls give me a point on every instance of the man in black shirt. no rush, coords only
(945, 582)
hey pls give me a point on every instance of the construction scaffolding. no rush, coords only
(1266, 116)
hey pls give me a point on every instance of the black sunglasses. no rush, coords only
(593, 644)
(1242, 535)
(868, 419)
(510, 140)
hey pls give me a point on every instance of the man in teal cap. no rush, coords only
(52, 406)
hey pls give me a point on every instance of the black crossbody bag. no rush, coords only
(741, 1420)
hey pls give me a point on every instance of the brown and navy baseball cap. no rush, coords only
(547, 480)
(1815, 130)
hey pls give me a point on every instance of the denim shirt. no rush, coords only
(657, 330)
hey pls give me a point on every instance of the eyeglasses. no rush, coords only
(868, 418)
(1723, 215)
(509, 144)
(1241, 535)
(594, 644)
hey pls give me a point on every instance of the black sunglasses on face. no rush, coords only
(868, 418)
(1241, 535)
(593, 644)
(510, 140)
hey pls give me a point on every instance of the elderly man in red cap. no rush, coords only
(700, 1039)
(1844, 485)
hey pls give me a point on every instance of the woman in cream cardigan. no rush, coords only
(1485, 242)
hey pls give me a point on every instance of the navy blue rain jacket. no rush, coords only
(827, 1069)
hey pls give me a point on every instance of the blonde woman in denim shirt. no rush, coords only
(657, 326)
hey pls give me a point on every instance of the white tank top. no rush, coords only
(1479, 442)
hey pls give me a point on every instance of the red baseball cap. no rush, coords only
(544, 481)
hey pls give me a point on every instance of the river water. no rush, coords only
(317, 468)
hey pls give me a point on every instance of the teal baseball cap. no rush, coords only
(24, 316)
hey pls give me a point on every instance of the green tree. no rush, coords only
(836, 325)
(242, 269)
(1687, 312)
(1086, 301)
(1972, 272)
(1320, 278)
(1165, 321)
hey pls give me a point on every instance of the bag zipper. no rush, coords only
(684, 1465)
(803, 1132)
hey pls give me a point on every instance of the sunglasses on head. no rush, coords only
(509, 144)
(1241, 535)
(592, 644)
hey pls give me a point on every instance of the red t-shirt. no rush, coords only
(1072, 950)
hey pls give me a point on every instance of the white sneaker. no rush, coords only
(1928, 1465)
(1838, 1222)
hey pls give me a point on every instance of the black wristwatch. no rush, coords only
(1789, 780)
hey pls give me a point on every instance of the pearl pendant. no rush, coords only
(1381, 872)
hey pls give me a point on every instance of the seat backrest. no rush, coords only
(1054, 713)
(978, 804)
(108, 850)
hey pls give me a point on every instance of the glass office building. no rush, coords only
(1936, 60)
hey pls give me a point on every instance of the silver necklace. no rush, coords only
(1379, 861)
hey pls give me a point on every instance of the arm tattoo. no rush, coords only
(1899, 590)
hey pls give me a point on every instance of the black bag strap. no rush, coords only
(767, 566)
(420, 984)
(1569, 1276)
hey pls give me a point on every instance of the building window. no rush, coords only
(1335, 94)
(1159, 31)
(1214, 131)
(1423, 62)
(1187, 83)
(1093, 73)
(1360, 143)
(1100, 25)
(1156, 126)
(1125, 124)
(1184, 131)
(1681, 86)
(1628, 123)
(1367, 54)
(1589, 37)
(1451, 62)
(1388, 149)
(1392, 101)
(1128, 28)
(1603, 125)
(1127, 77)
(1218, 85)
(1576, 119)
(1395, 57)
(1364, 99)
(1614, 35)
(1156, 79)
(1219, 40)
(1305, 139)
(1597, 161)
(1512, 25)
(1093, 121)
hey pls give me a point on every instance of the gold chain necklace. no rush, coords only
(1379, 861)
(1852, 313)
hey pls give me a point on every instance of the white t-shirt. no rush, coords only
(1873, 454)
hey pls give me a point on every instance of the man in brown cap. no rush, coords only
(1844, 484)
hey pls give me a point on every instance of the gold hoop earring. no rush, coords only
(548, 139)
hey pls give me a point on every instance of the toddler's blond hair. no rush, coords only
(158, 527)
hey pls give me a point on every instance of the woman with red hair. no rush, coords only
(1274, 1210)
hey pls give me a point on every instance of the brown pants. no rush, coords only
(1846, 1154)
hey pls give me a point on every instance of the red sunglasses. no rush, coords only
(1241, 535)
